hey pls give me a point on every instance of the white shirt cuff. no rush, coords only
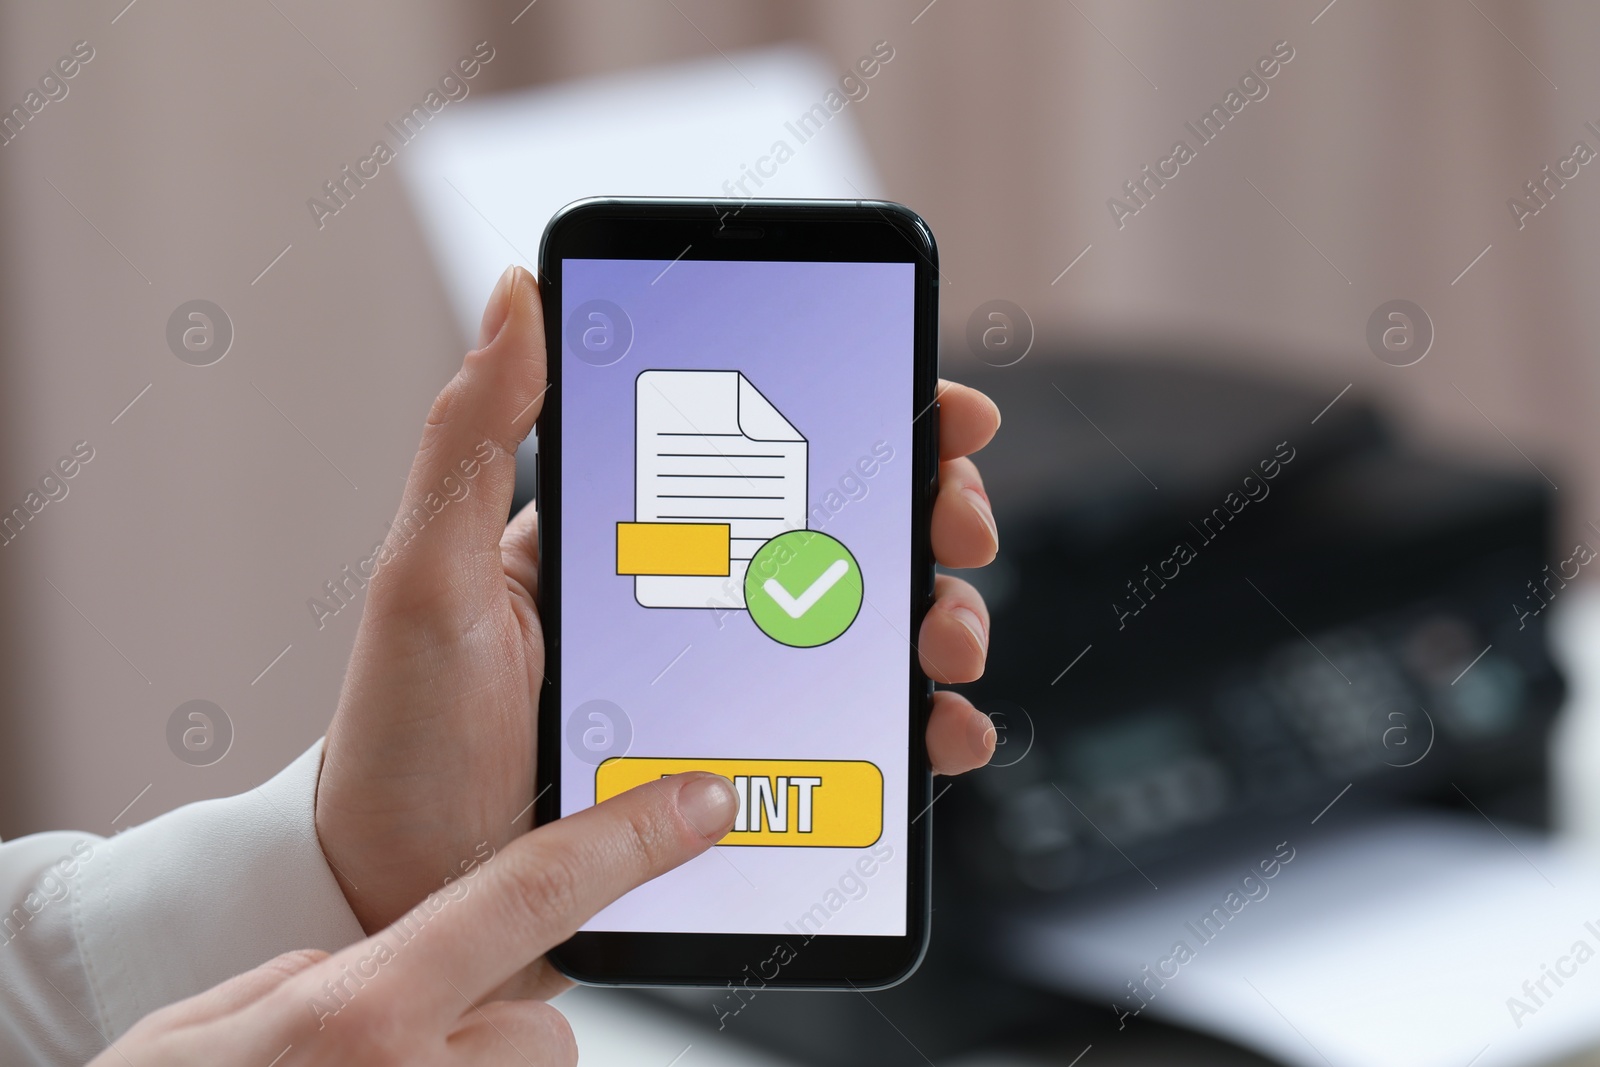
(109, 930)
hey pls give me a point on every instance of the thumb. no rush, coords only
(457, 496)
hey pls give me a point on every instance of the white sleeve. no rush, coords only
(99, 932)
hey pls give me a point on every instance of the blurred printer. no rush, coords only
(1221, 599)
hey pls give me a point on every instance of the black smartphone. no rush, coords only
(737, 460)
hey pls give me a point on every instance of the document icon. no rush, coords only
(718, 472)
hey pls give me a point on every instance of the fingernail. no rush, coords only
(982, 736)
(969, 618)
(709, 803)
(498, 307)
(980, 504)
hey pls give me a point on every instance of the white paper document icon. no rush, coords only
(711, 452)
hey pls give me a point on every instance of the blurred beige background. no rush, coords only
(178, 166)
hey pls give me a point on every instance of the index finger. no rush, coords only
(535, 893)
(968, 419)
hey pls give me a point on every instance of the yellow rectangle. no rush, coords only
(699, 549)
(787, 803)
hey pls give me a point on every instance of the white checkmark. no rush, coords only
(798, 606)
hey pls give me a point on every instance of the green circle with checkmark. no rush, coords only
(803, 588)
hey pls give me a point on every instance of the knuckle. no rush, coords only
(551, 892)
(355, 1016)
(364, 1030)
(547, 894)
(448, 401)
(290, 963)
(645, 837)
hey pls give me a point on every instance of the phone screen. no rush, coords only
(736, 576)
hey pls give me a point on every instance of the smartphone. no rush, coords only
(737, 460)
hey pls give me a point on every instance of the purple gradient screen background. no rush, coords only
(831, 346)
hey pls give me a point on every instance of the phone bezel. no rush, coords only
(753, 230)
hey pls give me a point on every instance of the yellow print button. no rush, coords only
(815, 803)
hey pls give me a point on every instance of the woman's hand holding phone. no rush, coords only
(431, 752)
